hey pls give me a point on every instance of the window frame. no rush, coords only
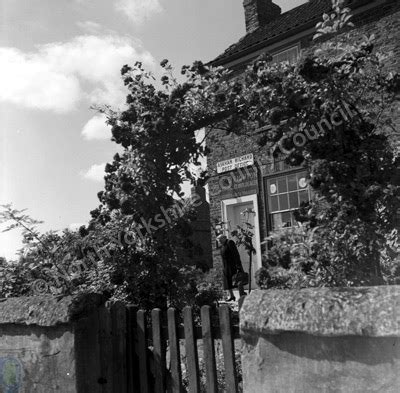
(266, 179)
(287, 49)
(277, 194)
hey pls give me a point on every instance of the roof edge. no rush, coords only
(296, 30)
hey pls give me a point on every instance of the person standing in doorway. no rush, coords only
(231, 265)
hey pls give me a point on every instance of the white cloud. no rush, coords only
(90, 27)
(139, 11)
(95, 173)
(96, 128)
(59, 75)
(28, 80)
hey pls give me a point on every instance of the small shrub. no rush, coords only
(209, 288)
(262, 278)
(288, 262)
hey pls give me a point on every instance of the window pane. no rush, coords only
(282, 187)
(292, 182)
(272, 189)
(290, 55)
(294, 221)
(286, 219)
(303, 196)
(276, 221)
(274, 204)
(302, 181)
(283, 202)
(293, 200)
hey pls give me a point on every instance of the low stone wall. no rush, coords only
(50, 344)
(321, 340)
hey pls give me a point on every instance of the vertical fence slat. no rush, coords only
(118, 324)
(158, 351)
(129, 348)
(228, 348)
(142, 351)
(174, 352)
(132, 364)
(191, 351)
(208, 350)
(105, 379)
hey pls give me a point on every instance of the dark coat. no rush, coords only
(231, 262)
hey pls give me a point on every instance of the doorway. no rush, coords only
(238, 211)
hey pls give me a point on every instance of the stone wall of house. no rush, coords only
(384, 23)
(51, 344)
(321, 340)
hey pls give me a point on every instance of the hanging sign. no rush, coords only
(234, 163)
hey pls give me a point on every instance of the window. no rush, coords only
(291, 55)
(284, 195)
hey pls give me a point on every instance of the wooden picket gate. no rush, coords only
(139, 345)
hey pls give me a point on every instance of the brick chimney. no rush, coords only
(259, 13)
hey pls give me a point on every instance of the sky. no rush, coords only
(58, 60)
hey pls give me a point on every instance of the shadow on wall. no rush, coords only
(365, 350)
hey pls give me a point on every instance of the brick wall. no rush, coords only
(259, 13)
(224, 147)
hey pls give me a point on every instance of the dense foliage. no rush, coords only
(100, 259)
(348, 233)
